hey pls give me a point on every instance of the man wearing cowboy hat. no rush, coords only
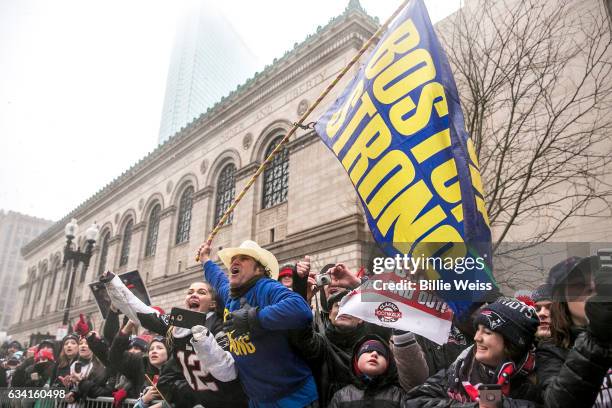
(259, 311)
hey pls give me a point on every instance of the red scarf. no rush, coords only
(504, 375)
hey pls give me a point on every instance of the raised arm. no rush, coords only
(212, 273)
(128, 364)
(412, 368)
(216, 277)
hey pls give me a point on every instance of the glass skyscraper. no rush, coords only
(16, 230)
(209, 60)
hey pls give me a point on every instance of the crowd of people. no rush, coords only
(272, 336)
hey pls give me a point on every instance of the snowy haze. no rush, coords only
(82, 84)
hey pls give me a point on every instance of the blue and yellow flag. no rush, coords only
(399, 132)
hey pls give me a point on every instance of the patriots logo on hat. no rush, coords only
(493, 318)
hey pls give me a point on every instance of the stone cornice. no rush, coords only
(139, 227)
(114, 240)
(203, 193)
(347, 31)
(167, 212)
(52, 318)
(247, 170)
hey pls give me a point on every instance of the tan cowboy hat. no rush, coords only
(250, 248)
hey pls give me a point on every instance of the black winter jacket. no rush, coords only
(60, 372)
(133, 366)
(19, 376)
(437, 390)
(93, 383)
(329, 356)
(573, 377)
(44, 372)
(383, 391)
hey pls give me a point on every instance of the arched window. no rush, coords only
(276, 177)
(103, 254)
(153, 230)
(125, 243)
(226, 189)
(184, 217)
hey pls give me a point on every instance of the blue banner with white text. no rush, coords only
(399, 132)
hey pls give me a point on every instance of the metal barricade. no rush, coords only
(100, 402)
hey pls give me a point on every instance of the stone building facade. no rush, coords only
(154, 217)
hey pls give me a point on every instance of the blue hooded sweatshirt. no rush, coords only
(267, 366)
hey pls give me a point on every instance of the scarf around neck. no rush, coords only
(242, 290)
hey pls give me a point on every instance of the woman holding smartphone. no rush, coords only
(502, 357)
(201, 370)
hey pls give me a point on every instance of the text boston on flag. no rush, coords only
(398, 130)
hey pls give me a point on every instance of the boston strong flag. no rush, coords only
(399, 132)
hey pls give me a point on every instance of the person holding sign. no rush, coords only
(185, 379)
(501, 359)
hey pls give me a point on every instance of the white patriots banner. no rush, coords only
(417, 311)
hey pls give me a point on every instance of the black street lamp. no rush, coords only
(77, 257)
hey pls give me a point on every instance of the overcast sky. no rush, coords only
(82, 84)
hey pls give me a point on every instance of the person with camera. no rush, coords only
(258, 312)
(574, 368)
(185, 380)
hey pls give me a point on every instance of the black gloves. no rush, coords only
(598, 308)
(243, 320)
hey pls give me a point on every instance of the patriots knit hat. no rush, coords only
(511, 318)
(542, 293)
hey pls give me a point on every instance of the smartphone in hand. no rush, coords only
(490, 395)
(186, 318)
(77, 367)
